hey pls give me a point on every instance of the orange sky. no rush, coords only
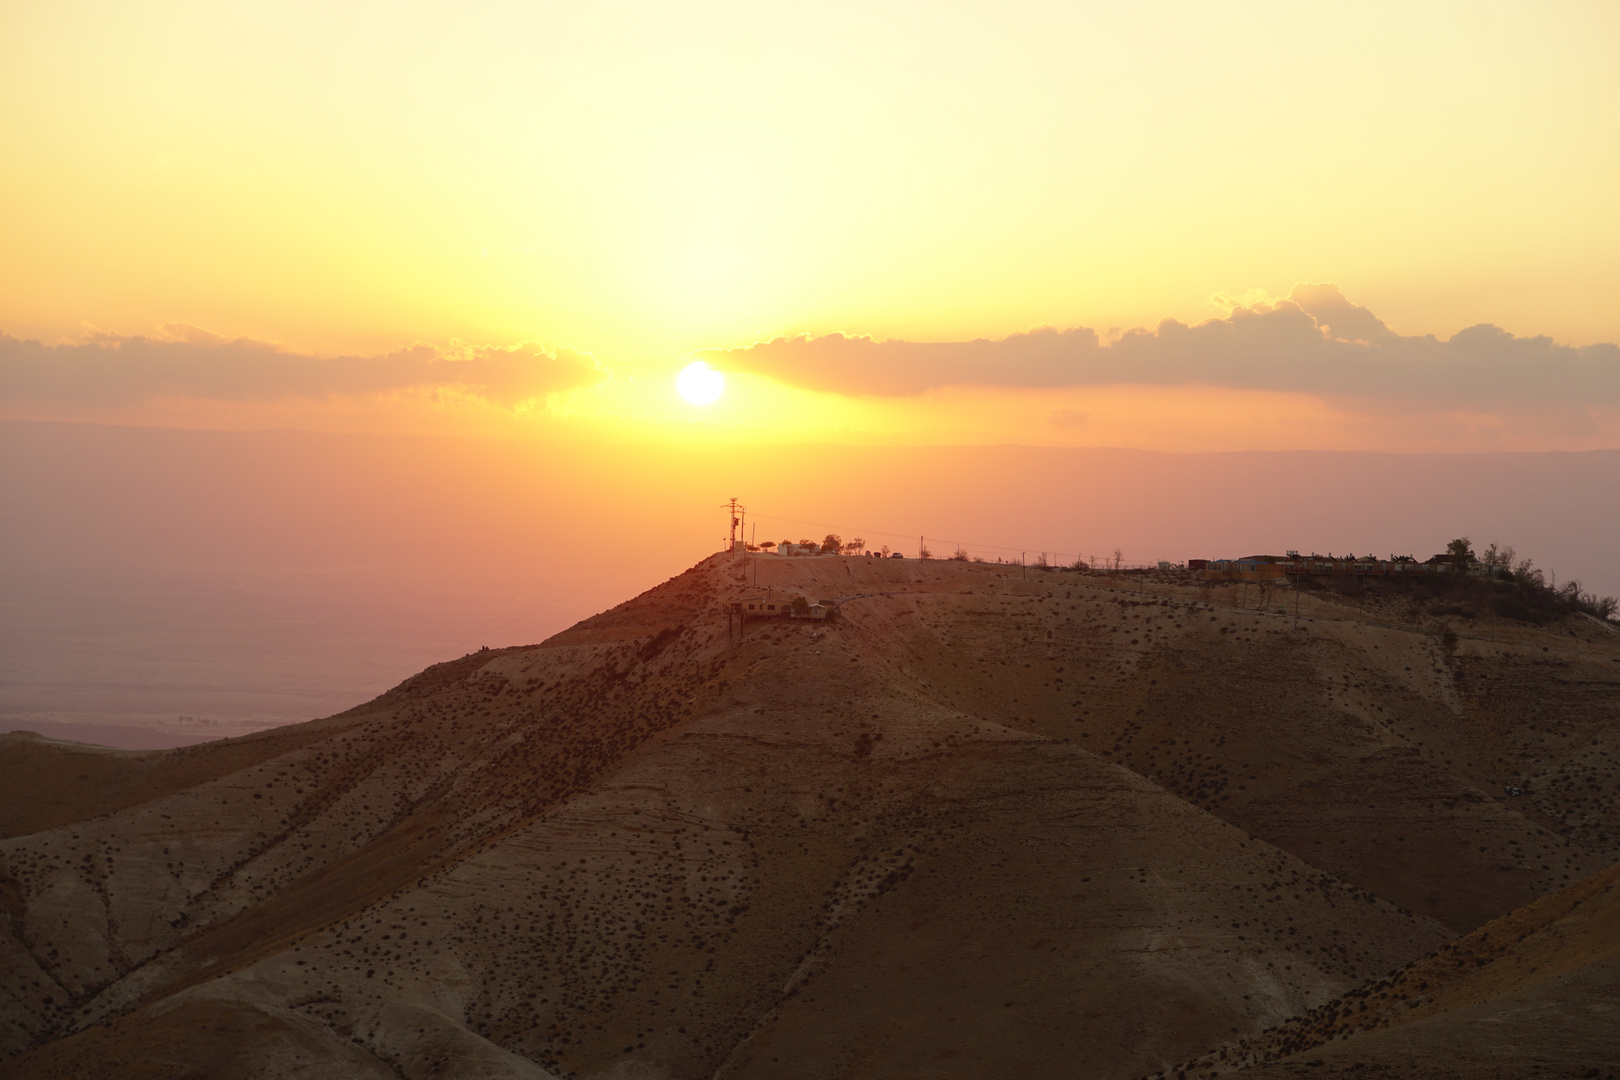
(526, 219)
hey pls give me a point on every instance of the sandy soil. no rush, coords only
(977, 825)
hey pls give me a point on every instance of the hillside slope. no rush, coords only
(976, 825)
(1537, 990)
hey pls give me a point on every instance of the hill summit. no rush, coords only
(974, 821)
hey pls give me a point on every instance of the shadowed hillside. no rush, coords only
(1537, 990)
(975, 825)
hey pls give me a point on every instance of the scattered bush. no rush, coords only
(1514, 607)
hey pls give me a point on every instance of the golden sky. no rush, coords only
(604, 191)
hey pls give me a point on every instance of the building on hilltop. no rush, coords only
(1251, 568)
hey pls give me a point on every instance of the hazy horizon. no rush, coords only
(254, 578)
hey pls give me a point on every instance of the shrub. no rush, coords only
(1514, 607)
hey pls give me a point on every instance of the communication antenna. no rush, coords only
(736, 510)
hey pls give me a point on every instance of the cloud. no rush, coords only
(838, 363)
(1315, 341)
(187, 362)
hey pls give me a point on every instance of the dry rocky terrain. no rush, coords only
(985, 822)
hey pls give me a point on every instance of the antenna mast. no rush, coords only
(736, 510)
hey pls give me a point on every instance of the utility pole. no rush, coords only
(736, 522)
(1023, 561)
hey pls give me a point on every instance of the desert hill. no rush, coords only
(984, 822)
(1536, 991)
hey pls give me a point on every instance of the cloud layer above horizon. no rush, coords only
(186, 362)
(1315, 341)
(1312, 370)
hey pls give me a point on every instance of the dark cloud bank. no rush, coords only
(186, 362)
(1316, 341)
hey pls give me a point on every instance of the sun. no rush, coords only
(700, 384)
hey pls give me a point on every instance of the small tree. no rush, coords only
(885, 551)
(800, 606)
(855, 546)
(1461, 552)
(923, 552)
(1119, 557)
(768, 544)
(832, 543)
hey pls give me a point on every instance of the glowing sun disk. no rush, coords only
(699, 383)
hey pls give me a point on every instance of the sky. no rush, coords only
(337, 338)
(1267, 227)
